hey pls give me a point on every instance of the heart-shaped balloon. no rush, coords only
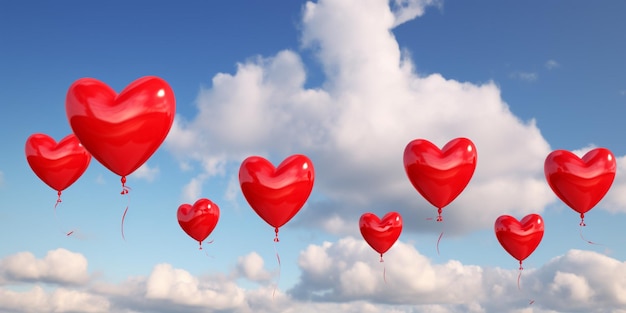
(58, 165)
(122, 130)
(276, 194)
(519, 239)
(440, 175)
(580, 183)
(198, 220)
(381, 234)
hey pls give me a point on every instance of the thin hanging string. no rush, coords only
(440, 235)
(384, 268)
(583, 238)
(439, 219)
(56, 218)
(279, 267)
(519, 276)
(125, 190)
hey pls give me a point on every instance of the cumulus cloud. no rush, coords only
(346, 276)
(59, 266)
(356, 125)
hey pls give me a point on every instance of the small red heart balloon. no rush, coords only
(276, 194)
(199, 220)
(381, 234)
(440, 175)
(121, 130)
(519, 239)
(580, 183)
(58, 165)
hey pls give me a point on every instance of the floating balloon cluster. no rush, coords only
(122, 131)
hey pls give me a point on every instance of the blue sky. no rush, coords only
(348, 83)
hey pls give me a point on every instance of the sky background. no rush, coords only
(348, 83)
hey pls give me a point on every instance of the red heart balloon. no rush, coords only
(381, 234)
(58, 165)
(440, 175)
(276, 194)
(199, 220)
(519, 239)
(580, 183)
(121, 130)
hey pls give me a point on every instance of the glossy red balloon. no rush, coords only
(519, 239)
(381, 234)
(198, 220)
(276, 194)
(580, 183)
(440, 175)
(58, 165)
(121, 130)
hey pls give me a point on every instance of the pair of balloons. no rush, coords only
(579, 182)
(276, 194)
(121, 131)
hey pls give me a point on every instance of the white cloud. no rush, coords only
(356, 125)
(552, 64)
(59, 300)
(146, 172)
(346, 276)
(251, 267)
(525, 76)
(59, 266)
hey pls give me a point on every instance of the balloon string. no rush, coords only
(583, 238)
(279, 267)
(438, 240)
(125, 193)
(519, 276)
(56, 218)
(384, 268)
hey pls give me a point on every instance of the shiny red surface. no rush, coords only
(58, 165)
(121, 130)
(580, 183)
(198, 220)
(519, 238)
(440, 175)
(381, 234)
(276, 194)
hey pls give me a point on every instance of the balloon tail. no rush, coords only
(583, 238)
(200, 245)
(277, 259)
(276, 237)
(58, 201)
(125, 188)
(124, 192)
(439, 217)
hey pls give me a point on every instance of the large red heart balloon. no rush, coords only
(121, 130)
(440, 175)
(381, 234)
(58, 165)
(519, 239)
(580, 183)
(276, 194)
(198, 220)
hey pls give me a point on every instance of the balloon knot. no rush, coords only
(520, 266)
(200, 245)
(381, 258)
(439, 217)
(125, 188)
(276, 232)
